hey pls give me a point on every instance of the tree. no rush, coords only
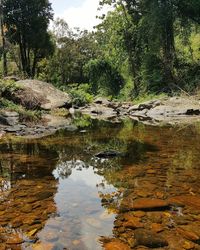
(149, 34)
(27, 22)
(74, 48)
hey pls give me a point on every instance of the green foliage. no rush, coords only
(80, 95)
(152, 74)
(73, 50)
(25, 115)
(104, 78)
(158, 39)
(8, 86)
(27, 23)
(82, 121)
(139, 47)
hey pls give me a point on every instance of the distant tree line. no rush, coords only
(141, 46)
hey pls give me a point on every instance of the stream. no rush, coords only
(55, 194)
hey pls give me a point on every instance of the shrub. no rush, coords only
(103, 77)
(81, 95)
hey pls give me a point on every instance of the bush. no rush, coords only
(103, 77)
(81, 95)
(8, 87)
(24, 114)
(152, 74)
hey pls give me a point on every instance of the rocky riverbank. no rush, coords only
(42, 96)
(165, 111)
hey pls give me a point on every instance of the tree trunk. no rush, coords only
(5, 67)
(168, 39)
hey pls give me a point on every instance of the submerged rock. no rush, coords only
(149, 239)
(108, 154)
(143, 204)
(14, 239)
(116, 244)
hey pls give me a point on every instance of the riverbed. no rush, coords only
(55, 194)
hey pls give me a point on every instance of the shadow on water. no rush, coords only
(55, 194)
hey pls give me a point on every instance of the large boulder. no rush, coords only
(35, 94)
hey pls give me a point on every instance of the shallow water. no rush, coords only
(54, 194)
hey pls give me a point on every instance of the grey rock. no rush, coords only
(38, 94)
(13, 129)
(101, 100)
(9, 118)
(71, 128)
(10, 114)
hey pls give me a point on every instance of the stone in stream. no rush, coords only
(51, 236)
(42, 246)
(149, 239)
(108, 154)
(27, 208)
(44, 195)
(190, 232)
(192, 201)
(115, 244)
(143, 204)
(131, 221)
(14, 239)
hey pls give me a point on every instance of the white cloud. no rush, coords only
(83, 16)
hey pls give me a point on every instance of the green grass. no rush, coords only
(24, 114)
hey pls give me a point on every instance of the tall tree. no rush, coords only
(74, 48)
(27, 22)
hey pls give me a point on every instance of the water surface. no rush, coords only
(55, 194)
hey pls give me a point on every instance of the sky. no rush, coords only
(77, 13)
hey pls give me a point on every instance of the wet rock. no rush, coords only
(3, 246)
(155, 217)
(149, 239)
(151, 171)
(188, 200)
(31, 200)
(132, 222)
(143, 204)
(17, 223)
(43, 246)
(14, 239)
(26, 208)
(93, 222)
(44, 195)
(188, 245)
(116, 244)
(188, 233)
(2, 207)
(139, 214)
(51, 236)
(108, 154)
(156, 227)
(32, 232)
